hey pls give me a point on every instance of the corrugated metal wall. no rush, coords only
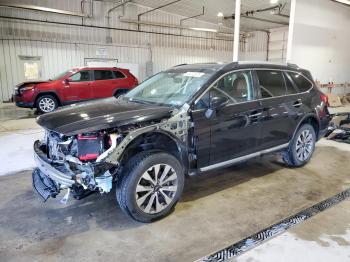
(61, 46)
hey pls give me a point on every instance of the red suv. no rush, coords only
(76, 85)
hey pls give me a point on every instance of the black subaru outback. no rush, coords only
(185, 120)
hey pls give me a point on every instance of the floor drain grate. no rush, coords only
(274, 230)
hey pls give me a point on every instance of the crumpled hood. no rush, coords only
(101, 114)
(31, 82)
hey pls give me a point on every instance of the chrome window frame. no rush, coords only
(258, 99)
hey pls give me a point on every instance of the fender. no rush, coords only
(48, 92)
(175, 127)
(309, 115)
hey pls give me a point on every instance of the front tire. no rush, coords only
(151, 185)
(301, 147)
(46, 104)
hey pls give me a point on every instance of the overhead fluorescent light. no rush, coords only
(204, 29)
(345, 2)
(273, 1)
(220, 14)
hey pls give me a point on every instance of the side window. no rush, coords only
(271, 83)
(237, 86)
(103, 74)
(290, 88)
(81, 76)
(301, 82)
(118, 74)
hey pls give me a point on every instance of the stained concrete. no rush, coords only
(323, 238)
(217, 209)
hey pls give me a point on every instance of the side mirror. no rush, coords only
(66, 81)
(217, 102)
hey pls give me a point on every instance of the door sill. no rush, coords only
(243, 158)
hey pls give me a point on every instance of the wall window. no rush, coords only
(81, 76)
(301, 82)
(103, 74)
(271, 83)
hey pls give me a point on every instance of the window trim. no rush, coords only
(253, 69)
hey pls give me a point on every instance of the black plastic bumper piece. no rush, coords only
(43, 185)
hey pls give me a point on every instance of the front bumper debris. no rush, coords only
(44, 165)
(43, 185)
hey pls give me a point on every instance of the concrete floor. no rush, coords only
(216, 210)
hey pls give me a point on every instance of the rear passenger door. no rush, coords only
(106, 82)
(280, 104)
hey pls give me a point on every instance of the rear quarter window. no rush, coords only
(300, 81)
(118, 74)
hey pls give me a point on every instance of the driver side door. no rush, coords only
(78, 87)
(235, 127)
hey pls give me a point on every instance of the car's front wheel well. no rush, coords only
(48, 93)
(154, 141)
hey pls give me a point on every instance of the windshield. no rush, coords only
(59, 75)
(170, 88)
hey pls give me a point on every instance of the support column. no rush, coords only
(291, 30)
(237, 31)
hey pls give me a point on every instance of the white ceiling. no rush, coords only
(212, 7)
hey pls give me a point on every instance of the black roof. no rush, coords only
(237, 65)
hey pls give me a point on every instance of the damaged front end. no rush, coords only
(71, 163)
(90, 162)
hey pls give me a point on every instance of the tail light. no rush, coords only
(324, 98)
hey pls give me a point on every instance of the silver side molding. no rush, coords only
(243, 158)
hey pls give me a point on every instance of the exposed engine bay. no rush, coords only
(90, 162)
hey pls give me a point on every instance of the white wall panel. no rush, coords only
(62, 46)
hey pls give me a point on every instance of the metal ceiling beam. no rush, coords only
(151, 10)
(252, 12)
(265, 20)
(40, 8)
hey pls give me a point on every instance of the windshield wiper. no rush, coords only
(140, 101)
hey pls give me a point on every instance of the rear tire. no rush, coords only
(301, 147)
(151, 185)
(46, 104)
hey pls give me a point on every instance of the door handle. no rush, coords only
(298, 103)
(255, 115)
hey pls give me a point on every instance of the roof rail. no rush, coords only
(179, 65)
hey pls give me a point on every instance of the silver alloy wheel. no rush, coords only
(304, 145)
(47, 104)
(156, 188)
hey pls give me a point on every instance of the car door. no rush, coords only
(280, 108)
(235, 126)
(105, 84)
(77, 87)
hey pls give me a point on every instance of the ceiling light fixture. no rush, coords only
(345, 2)
(220, 14)
(204, 29)
(273, 1)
